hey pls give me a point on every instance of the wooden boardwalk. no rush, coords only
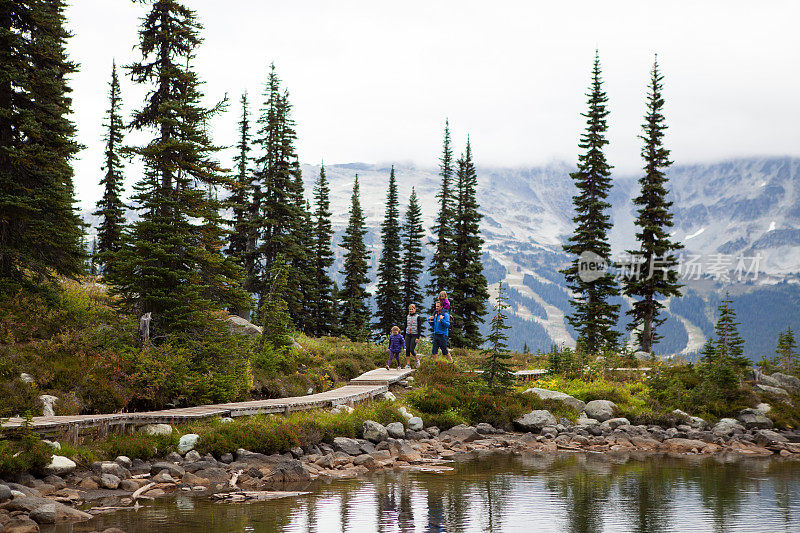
(364, 387)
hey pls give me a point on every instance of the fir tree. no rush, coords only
(241, 196)
(469, 292)
(304, 283)
(786, 352)
(353, 294)
(40, 231)
(441, 276)
(525, 349)
(413, 260)
(322, 303)
(593, 315)
(387, 296)
(722, 360)
(654, 276)
(279, 215)
(495, 365)
(110, 208)
(173, 265)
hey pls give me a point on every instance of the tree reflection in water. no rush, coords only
(555, 492)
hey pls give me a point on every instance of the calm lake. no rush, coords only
(553, 492)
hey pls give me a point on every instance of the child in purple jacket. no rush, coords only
(396, 345)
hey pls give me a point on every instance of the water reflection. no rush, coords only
(569, 493)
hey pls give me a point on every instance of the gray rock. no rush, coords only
(237, 324)
(396, 430)
(764, 407)
(114, 469)
(433, 431)
(775, 391)
(601, 410)
(415, 423)
(60, 466)
(614, 423)
(584, 420)
(766, 437)
(30, 503)
(26, 378)
(485, 429)
(754, 419)
(156, 429)
(188, 442)
(373, 431)
(48, 404)
(550, 432)
(44, 514)
(694, 422)
(5, 493)
(173, 469)
(226, 458)
(461, 433)
(346, 445)
(389, 396)
(20, 524)
(124, 461)
(191, 456)
(109, 481)
(297, 452)
(727, 427)
(566, 399)
(366, 446)
(643, 356)
(785, 381)
(535, 420)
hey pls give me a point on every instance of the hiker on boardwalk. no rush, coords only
(415, 324)
(441, 330)
(396, 345)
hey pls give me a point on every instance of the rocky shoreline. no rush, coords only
(113, 485)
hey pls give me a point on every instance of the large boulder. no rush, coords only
(348, 446)
(30, 503)
(461, 433)
(373, 431)
(601, 410)
(785, 381)
(396, 430)
(727, 427)
(767, 437)
(754, 419)
(156, 429)
(558, 396)
(48, 404)
(188, 442)
(536, 420)
(774, 391)
(45, 514)
(5, 493)
(237, 324)
(415, 423)
(60, 466)
(695, 422)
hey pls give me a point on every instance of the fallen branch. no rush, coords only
(138, 492)
(255, 495)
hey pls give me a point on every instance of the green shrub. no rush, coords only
(23, 451)
(139, 445)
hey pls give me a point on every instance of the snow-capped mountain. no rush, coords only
(742, 213)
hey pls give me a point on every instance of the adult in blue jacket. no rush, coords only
(441, 330)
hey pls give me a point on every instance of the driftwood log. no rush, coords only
(255, 495)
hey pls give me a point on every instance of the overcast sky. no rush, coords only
(373, 81)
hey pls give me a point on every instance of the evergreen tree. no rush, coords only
(110, 208)
(525, 349)
(241, 196)
(495, 365)
(655, 276)
(722, 360)
(172, 265)
(593, 315)
(786, 352)
(322, 304)
(304, 283)
(279, 214)
(413, 260)
(40, 231)
(469, 292)
(353, 294)
(388, 296)
(441, 276)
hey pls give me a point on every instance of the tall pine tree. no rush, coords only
(279, 212)
(40, 231)
(173, 265)
(469, 293)
(441, 276)
(110, 208)
(322, 309)
(413, 260)
(593, 315)
(353, 293)
(387, 295)
(655, 276)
